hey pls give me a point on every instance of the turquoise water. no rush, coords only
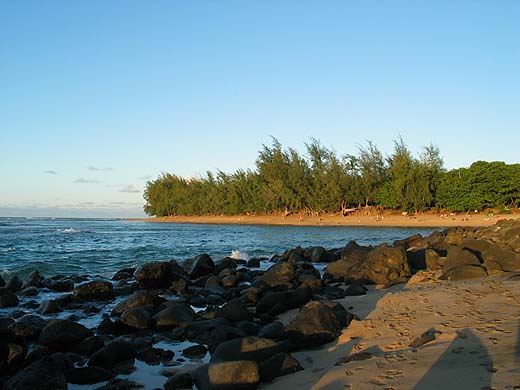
(101, 247)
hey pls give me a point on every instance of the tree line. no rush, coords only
(322, 181)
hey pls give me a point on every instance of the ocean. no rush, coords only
(103, 246)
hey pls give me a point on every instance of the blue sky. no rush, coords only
(98, 96)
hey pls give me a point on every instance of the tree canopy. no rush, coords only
(321, 180)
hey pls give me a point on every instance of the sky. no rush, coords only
(97, 97)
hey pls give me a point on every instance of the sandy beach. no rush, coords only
(385, 219)
(476, 323)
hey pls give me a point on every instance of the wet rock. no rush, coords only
(221, 335)
(35, 279)
(12, 353)
(278, 365)
(155, 275)
(112, 354)
(2, 281)
(63, 335)
(212, 282)
(62, 285)
(154, 356)
(316, 324)
(236, 375)
(234, 311)
(49, 307)
(205, 327)
(280, 275)
(136, 318)
(198, 301)
(253, 263)
(8, 299)
(14, 284)
(125, 273)
(179, 382)
(175, 315)
(96, 290)
(464, 272)
(202, 265)
(195, 351)
(29, 292)
(273, 331)
(140, 299)
(247, 348)
(44, 374)
(29, 326)
(230, 281)
(121, 384)
(320, 255)
(88, 375)
(90, 345)
(276, 303)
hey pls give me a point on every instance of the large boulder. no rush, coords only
(464, 272)
(96, 290)
(315, 324)
(35, 279)
(354, 252)
(235, 375)
(247, 348)
(175, 315)
(276, 303)
(382, 265)
(202, 265)
(136, 318)
(14, 284)
(44, 374)
(508, 259)
(282, 274)
(145, 299)
(63, 335)
(8, 298)
(234, 311)
(458, 256)
(156, 274)
(29, 326)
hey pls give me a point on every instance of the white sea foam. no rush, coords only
(69, 230)
(238, 255)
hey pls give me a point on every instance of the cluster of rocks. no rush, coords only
(228, 308)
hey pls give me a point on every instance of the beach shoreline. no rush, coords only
(383, 220)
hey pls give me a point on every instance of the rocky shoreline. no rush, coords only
(216, 324)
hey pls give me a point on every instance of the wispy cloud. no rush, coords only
(97, 169)
(50, 172)
(129, 188)
(82, 180)
(145, 177)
